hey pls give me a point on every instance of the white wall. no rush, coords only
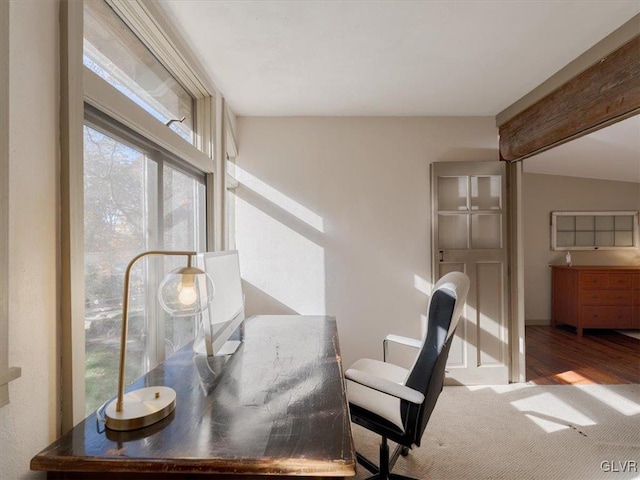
(333, 216)
(29, 422)
(543, 194)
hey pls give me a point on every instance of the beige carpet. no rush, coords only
(585, 432)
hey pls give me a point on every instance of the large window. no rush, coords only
(131, 180)
(135, 200)
(139, 195)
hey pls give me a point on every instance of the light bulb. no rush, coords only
(185, 292)
(187, 295)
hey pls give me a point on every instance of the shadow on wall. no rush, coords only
(311, 230)
(282, 258)
(259, 302)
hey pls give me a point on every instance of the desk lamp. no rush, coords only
(184, 292)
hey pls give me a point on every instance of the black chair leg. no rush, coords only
(366, 463)
(382, 472)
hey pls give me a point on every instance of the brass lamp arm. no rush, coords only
(125, 313)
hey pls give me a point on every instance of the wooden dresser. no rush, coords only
(596, 297)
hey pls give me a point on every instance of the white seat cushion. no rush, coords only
(381, 404)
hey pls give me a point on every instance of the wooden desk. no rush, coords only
(277, 407)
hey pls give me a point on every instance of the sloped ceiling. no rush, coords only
(609, 154)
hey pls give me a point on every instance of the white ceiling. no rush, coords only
(425, 58)
(388, 57)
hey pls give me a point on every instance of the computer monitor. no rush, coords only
(220, 322)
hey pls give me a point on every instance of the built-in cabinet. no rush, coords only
(596, 297)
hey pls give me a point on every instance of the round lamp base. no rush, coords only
(141, 408)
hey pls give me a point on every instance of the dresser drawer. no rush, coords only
(593, 280)
(606, 317)
(620, 280)
(636, 282)
(606, 297)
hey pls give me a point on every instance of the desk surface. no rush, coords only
(276, 407)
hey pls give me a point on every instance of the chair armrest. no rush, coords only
(409, 342)
(385, 386)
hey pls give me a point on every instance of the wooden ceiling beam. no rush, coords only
(606, 92)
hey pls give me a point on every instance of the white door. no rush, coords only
(469, 235)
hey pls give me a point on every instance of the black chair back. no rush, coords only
(428, 372)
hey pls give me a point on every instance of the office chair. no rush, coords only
(396, 403)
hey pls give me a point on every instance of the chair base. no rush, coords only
(386, 463)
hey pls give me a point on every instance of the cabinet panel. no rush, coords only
(636, 282)
(564, 300)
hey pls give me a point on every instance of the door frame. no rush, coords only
(515, 264)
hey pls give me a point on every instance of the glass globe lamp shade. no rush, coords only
(186, 291)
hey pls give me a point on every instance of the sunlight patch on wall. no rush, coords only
(422, 285)
(425, 287)
(279, 261)
(550, 413)
(277, 198)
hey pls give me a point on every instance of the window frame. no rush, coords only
(7, 373)
(108, 100)
(98, 121)
(632, 214)
(231, 183)
(150, 24)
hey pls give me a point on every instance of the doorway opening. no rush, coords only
(597, 172)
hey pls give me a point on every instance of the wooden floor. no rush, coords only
(556, 355)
